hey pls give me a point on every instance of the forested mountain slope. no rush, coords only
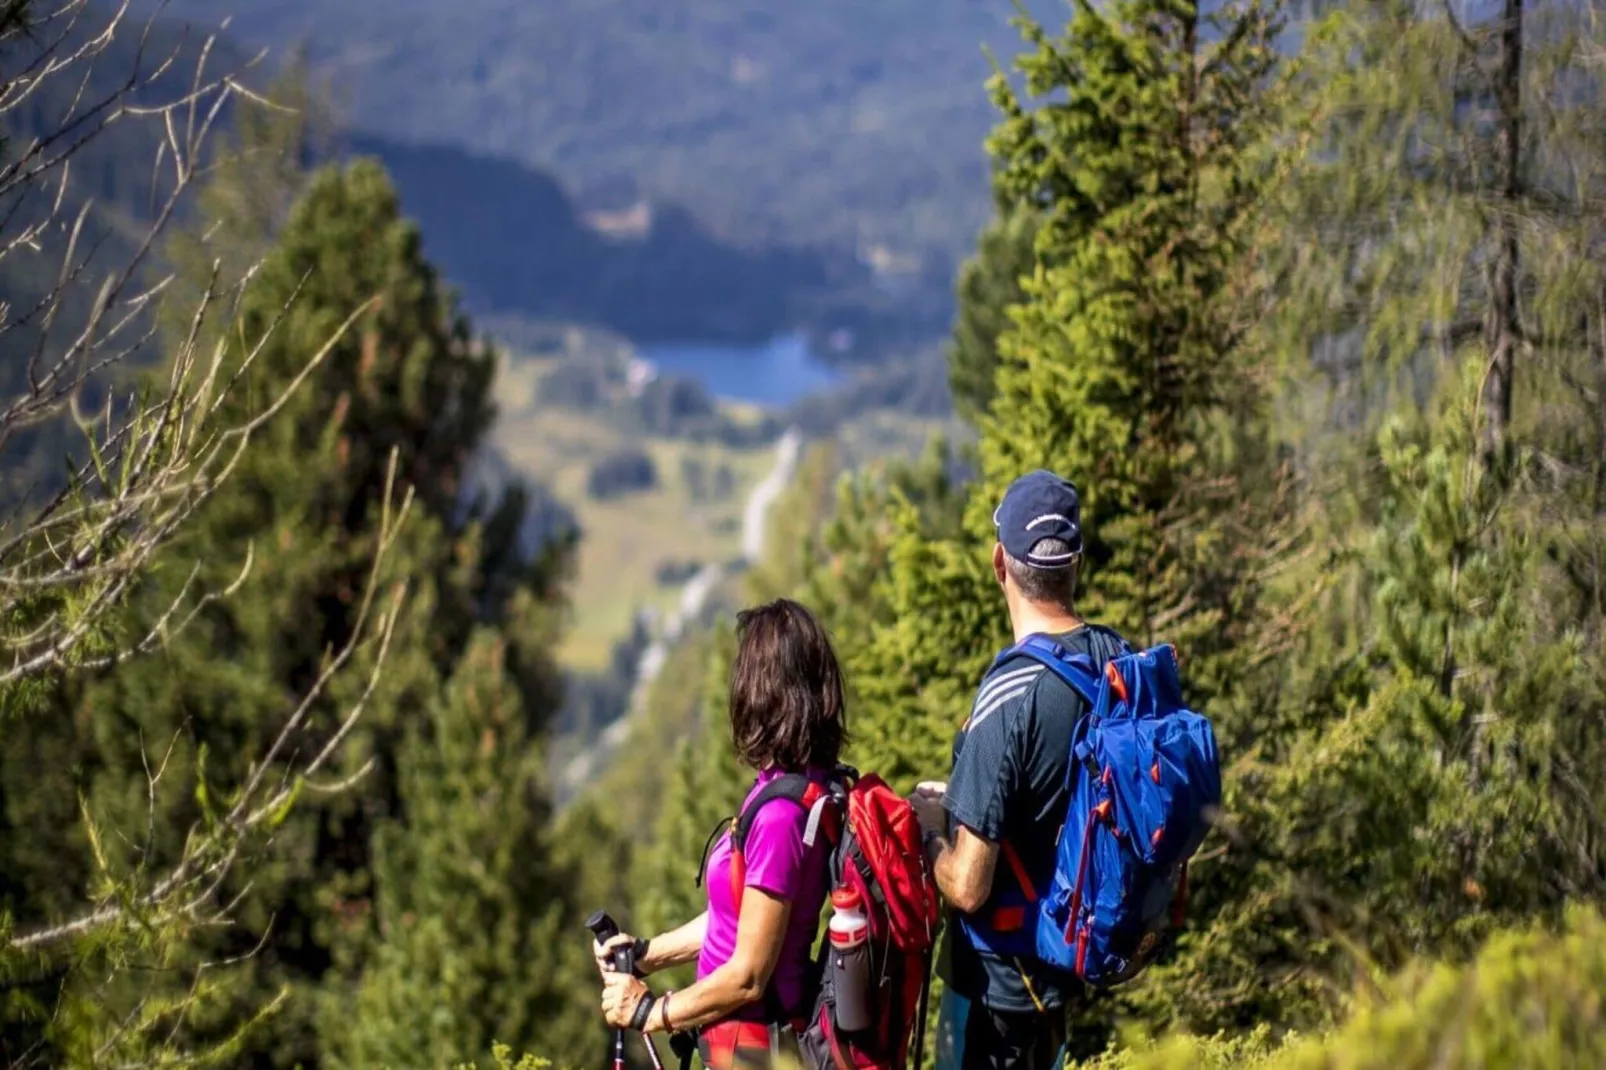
(520, 245)
(833, 122)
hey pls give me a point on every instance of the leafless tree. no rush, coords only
(155, 445)
(70, 555)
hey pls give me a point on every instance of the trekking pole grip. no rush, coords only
(604, 928)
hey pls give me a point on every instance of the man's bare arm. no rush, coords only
(963, 868)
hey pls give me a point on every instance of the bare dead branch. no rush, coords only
(153, 454)
(208, 857)
(145, 512)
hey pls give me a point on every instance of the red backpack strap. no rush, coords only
(793, 787)
(892, 864)
(1018, 870)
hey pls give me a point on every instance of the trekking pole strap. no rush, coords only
(683, 1043)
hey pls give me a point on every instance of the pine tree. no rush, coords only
(95, 994)
(1436, 701)
(990, 285)
(1125, 368)
(1428, 801)
(306, 501)
(1128, 365)
(476, 943)
(403, 397)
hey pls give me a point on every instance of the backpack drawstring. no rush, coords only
(1030, 991)
(702, 866)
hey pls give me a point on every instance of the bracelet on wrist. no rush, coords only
(663, 1012)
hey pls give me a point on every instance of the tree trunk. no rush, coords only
(1501, 332)
(1502, 335)
(1597, 345)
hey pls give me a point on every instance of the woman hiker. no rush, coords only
(753, 961)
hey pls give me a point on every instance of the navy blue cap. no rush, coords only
(1037, 506)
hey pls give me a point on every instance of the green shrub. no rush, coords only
(502, 1059)
(1530, 1000)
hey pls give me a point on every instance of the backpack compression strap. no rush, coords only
(1081, 674)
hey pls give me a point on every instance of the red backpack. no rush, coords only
(875, 850)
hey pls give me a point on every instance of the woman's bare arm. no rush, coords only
(676, 946)
(760, 932)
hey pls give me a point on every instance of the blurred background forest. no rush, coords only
(398, 398)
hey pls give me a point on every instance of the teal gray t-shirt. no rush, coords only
(1009, 783)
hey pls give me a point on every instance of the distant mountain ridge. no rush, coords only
(511, 238)
(844, 125)
(517, 244)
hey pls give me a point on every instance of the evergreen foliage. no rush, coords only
(1321, 342)
(305, 504)
(1420, 803)
(472, 919)
(1420, 779)
(397, 408)
(991, 283)
(1385, 614)
(706, 786)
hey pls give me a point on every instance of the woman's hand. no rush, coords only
(603, 953)
(621, 995)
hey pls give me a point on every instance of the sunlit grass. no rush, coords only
(625, 540)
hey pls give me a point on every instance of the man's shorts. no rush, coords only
(972, 1037)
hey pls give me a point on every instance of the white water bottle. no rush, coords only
(849, 933)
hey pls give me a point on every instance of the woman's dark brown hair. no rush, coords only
(786, 690)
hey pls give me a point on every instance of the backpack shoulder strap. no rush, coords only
(794, 787)
(1077, 670)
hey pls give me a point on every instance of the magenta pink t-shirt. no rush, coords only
(778, 863)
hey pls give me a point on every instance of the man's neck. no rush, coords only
(1041, 620)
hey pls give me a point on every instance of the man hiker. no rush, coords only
(990, 831)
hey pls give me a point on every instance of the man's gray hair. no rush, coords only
(1047, 586)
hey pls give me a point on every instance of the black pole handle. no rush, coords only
(604, 928)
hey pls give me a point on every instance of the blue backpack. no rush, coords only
(1148, 784)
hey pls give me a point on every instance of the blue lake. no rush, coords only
(774, 374)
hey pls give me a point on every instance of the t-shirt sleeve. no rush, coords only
(987, 772)
(775, 851)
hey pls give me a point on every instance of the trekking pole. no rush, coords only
(604, 929)
(920, 1015)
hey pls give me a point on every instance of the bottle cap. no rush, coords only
(845, 899)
